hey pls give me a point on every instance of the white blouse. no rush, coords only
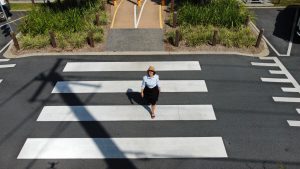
(150, 82)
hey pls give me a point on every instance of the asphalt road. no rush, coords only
(278, 24)
(15, 20)
(253, 127)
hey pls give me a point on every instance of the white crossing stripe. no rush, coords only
(7, 66)
(4, 60)
(127, 86)
(267, 58)
(1, 80)
(131, 66)
(298, 110)
(126, 113)
(264, 64)
(276, 80)
(287, 99)
(277, 72)
(290, 89)
(132, 148)
(294, 123)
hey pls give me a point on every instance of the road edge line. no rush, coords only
(115, 13)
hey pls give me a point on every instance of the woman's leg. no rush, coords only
(153, 108)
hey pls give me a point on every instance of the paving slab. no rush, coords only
(135, 40)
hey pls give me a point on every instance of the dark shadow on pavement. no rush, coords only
(284, 23)
(53, 77)
(136, 97)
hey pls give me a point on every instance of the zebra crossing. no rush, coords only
(276, 63)
(131, 147)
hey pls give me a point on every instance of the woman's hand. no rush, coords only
(142, 94)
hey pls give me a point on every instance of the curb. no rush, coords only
(265, 52)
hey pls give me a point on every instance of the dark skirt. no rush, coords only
(151, 95)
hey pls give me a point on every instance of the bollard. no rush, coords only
(247, 20)
(215, 37)
(259, 38)
(163, 2)
(139, 3)
(52, 39)
(91, 39)
(174, 19)
(15, 40)
(172, 5)
(177, 38)
(97, 19)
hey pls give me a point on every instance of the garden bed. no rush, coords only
(71, 24)
(198, 22)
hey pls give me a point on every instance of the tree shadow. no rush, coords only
(53, 77)
(284, 23)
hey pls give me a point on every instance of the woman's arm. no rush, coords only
(157, 83)
(143, 87)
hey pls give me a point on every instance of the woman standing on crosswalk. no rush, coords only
(150, 89)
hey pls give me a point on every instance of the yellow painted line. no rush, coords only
(160, 17)
(113, 21)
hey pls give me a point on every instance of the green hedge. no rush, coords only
(227, 13)
(70, 21)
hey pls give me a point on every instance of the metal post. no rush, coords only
(214, 40)
(247, 20)
(174, 19)
(91, 39)
(52, 39)
(172, 5)
(97, 19)
(15, 40)
(177, 38)
(259, 38)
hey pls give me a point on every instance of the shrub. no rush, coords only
(227, 13)
(202, 35)
(76, 40)
(37, 42)
(70, 21)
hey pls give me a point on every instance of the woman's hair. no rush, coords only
(151, 71)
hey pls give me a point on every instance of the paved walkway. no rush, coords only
(136, 28)
(126, 14)
(135, 40)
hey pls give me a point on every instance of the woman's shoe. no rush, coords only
(152, 115)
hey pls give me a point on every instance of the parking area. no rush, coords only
(280, 25)
(4, 28)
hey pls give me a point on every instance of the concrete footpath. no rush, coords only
(136, 28)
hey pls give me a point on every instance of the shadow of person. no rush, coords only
(285, 21)
(135, 97)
